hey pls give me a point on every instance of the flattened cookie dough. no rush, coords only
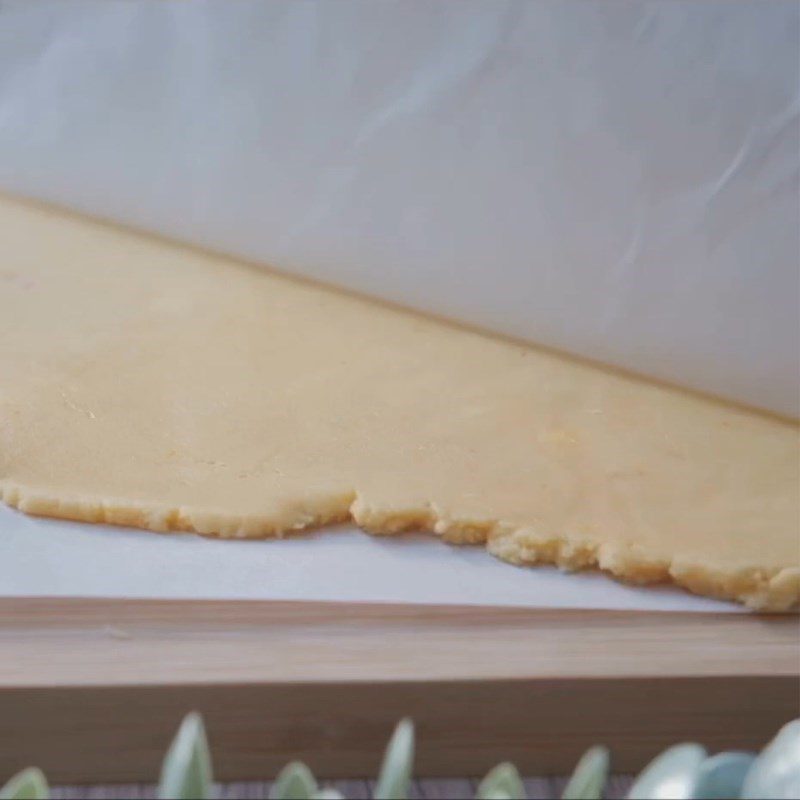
(147, 384)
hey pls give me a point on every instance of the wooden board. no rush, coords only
(92, 690)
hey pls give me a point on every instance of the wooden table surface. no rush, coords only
(93, 690)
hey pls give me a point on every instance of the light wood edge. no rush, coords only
(59, 610)
(469, 716)
(51, 641)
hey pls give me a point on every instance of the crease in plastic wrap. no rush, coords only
(618, 181)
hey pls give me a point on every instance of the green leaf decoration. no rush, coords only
(186, 771)
(503, 781)
(670, 776)
(589, 777)
(776, 772)
(328, 794)
(30, 784)
(683, 772)
(294, 782)
(721, 776)
(398, 762)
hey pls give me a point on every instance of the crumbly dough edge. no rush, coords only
(766, 590)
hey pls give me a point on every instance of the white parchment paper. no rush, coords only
(617, 180)
(64, 559)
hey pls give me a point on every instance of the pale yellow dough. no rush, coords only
(151, 385)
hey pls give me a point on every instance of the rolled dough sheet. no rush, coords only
(146, 384)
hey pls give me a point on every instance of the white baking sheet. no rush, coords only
(56, 558)
(614, 179)
(618, 180)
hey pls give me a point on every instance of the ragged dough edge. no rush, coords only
(760, 589)
(773, 590)
(293, 518)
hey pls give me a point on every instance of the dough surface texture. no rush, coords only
(152, 385)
